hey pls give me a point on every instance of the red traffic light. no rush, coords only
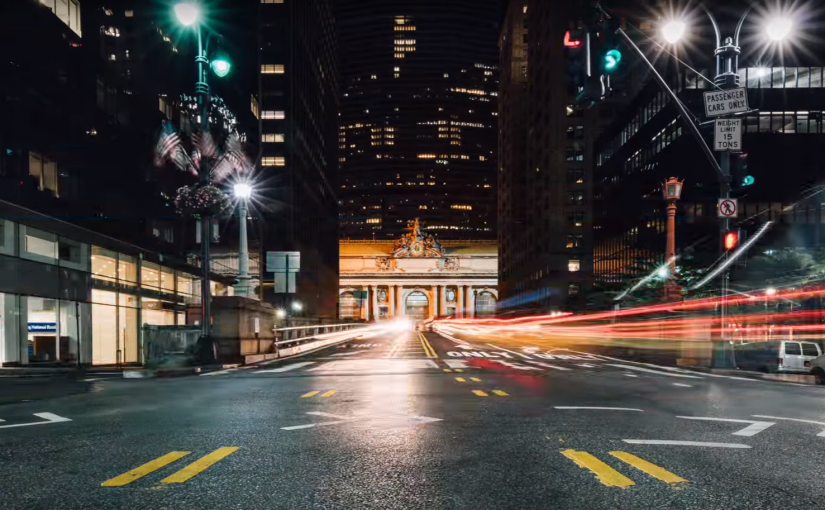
(569, 42)
(731, 240)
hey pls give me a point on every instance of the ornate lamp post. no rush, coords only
(243, 192)
(672, 192)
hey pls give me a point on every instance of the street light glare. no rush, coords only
(297, 306)
(673, 31)
(221, 67)
(779, 28)
(662, 272)
(770, 291)
(243, 190)
(187, 13)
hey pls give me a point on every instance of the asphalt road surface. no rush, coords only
(407, 420)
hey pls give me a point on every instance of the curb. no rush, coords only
(806, 379)
(163, 372)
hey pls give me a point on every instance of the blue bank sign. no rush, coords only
(42, 327)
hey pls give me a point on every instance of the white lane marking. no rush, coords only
(346, 354)
(375, 366)
(658, 372)
(685, 443)
(286, 368)
(599, 408)
(511, 352)
(514, 365)
(682, 385)
(456, 363)
(50, 417)
(548, 365)
(219, 372)
(587, 365)
(328, 415)
(754, 428)
(821, 434)
(1, 421)
(91, 380)
(630, 375)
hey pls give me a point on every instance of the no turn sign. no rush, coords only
(728, 208)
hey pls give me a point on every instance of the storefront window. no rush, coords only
(104, 264)
(167, 280)
(9, 329)
(150, 275)
(38, 245)
(127, 269)
(128, 343)
(157, 312)
(42, 318)
(104, 327)
(6, 237)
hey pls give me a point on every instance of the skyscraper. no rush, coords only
(297, 106)
(418, 117)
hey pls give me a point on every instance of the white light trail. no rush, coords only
(735, 255)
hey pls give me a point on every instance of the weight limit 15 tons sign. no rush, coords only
(728, 135)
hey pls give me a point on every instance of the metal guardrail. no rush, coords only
(293, 336)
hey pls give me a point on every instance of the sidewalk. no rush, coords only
(807, 379)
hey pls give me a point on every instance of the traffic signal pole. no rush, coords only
(726, 69)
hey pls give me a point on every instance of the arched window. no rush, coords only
(350, 307)
(485, 304)
(418, 306)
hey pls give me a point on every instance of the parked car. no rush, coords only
(778, 357)
(818, 369)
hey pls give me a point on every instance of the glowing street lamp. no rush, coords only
(673, 30)
(770, 291)
(187, 13)
(243, 192)
(297, 306)
(779, 28)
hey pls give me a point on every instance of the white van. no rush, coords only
(780, 357)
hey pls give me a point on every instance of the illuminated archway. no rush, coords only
(485, 304)
(417, 306)
(349, 306)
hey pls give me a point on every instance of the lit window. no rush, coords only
(396, 69)
(272, 69)
(112, 56)
(272, 1)
(273, 161)
(482, 158)
(374, 77)
(129, 14)
(270, 114)
(273, 138)
(462, 207)
(108, 12)
(573, 265)
(573, 289)
(446, 75)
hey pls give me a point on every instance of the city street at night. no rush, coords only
(399, 418)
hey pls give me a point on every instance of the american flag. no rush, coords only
(168, 141)
(205, 144)
(233, 160)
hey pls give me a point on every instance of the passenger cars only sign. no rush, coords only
(726, 102)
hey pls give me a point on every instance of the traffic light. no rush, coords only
(610, 55)
(577, 55)
(743, 176)
(731, 239)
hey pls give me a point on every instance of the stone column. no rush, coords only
(391, 295)
(459, 308)
(471, 301)
(367, 304)
(443, 301)
(436, 300)
(375, 311)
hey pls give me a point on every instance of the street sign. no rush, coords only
(726, 102)
(727, 207)
(728, 135)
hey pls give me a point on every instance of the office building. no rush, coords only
(545, 145)
(418, 117)
(297, 108)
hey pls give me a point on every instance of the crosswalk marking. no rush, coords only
(604, 473)
(480, 393)
(548, 365)
(200, 465)
(501, 393)
(141, 471)
(310, 394)
(651, 469)
(447, 370)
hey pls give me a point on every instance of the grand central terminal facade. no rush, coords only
(417, 277)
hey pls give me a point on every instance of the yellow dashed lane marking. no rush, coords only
(459, 369)
(475, 379)
(501, 393)
(460, 379)
(310, 394)
(447, 370)
(200, 465)
(480, 393)
(328, 394)
(141, 471)
(649, 468)
(604, 473)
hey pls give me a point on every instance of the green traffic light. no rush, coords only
(747, 180)
(612, 59)
(221, 67)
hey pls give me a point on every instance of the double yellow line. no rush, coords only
(425, 344)
(612, 478)
(180, 476)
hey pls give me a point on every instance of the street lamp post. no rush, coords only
(243, 192)
(188, 14)
(672, 191)
(727, 77)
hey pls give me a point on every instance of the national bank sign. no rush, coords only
(42, 327)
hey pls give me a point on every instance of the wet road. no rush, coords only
(407, 420)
